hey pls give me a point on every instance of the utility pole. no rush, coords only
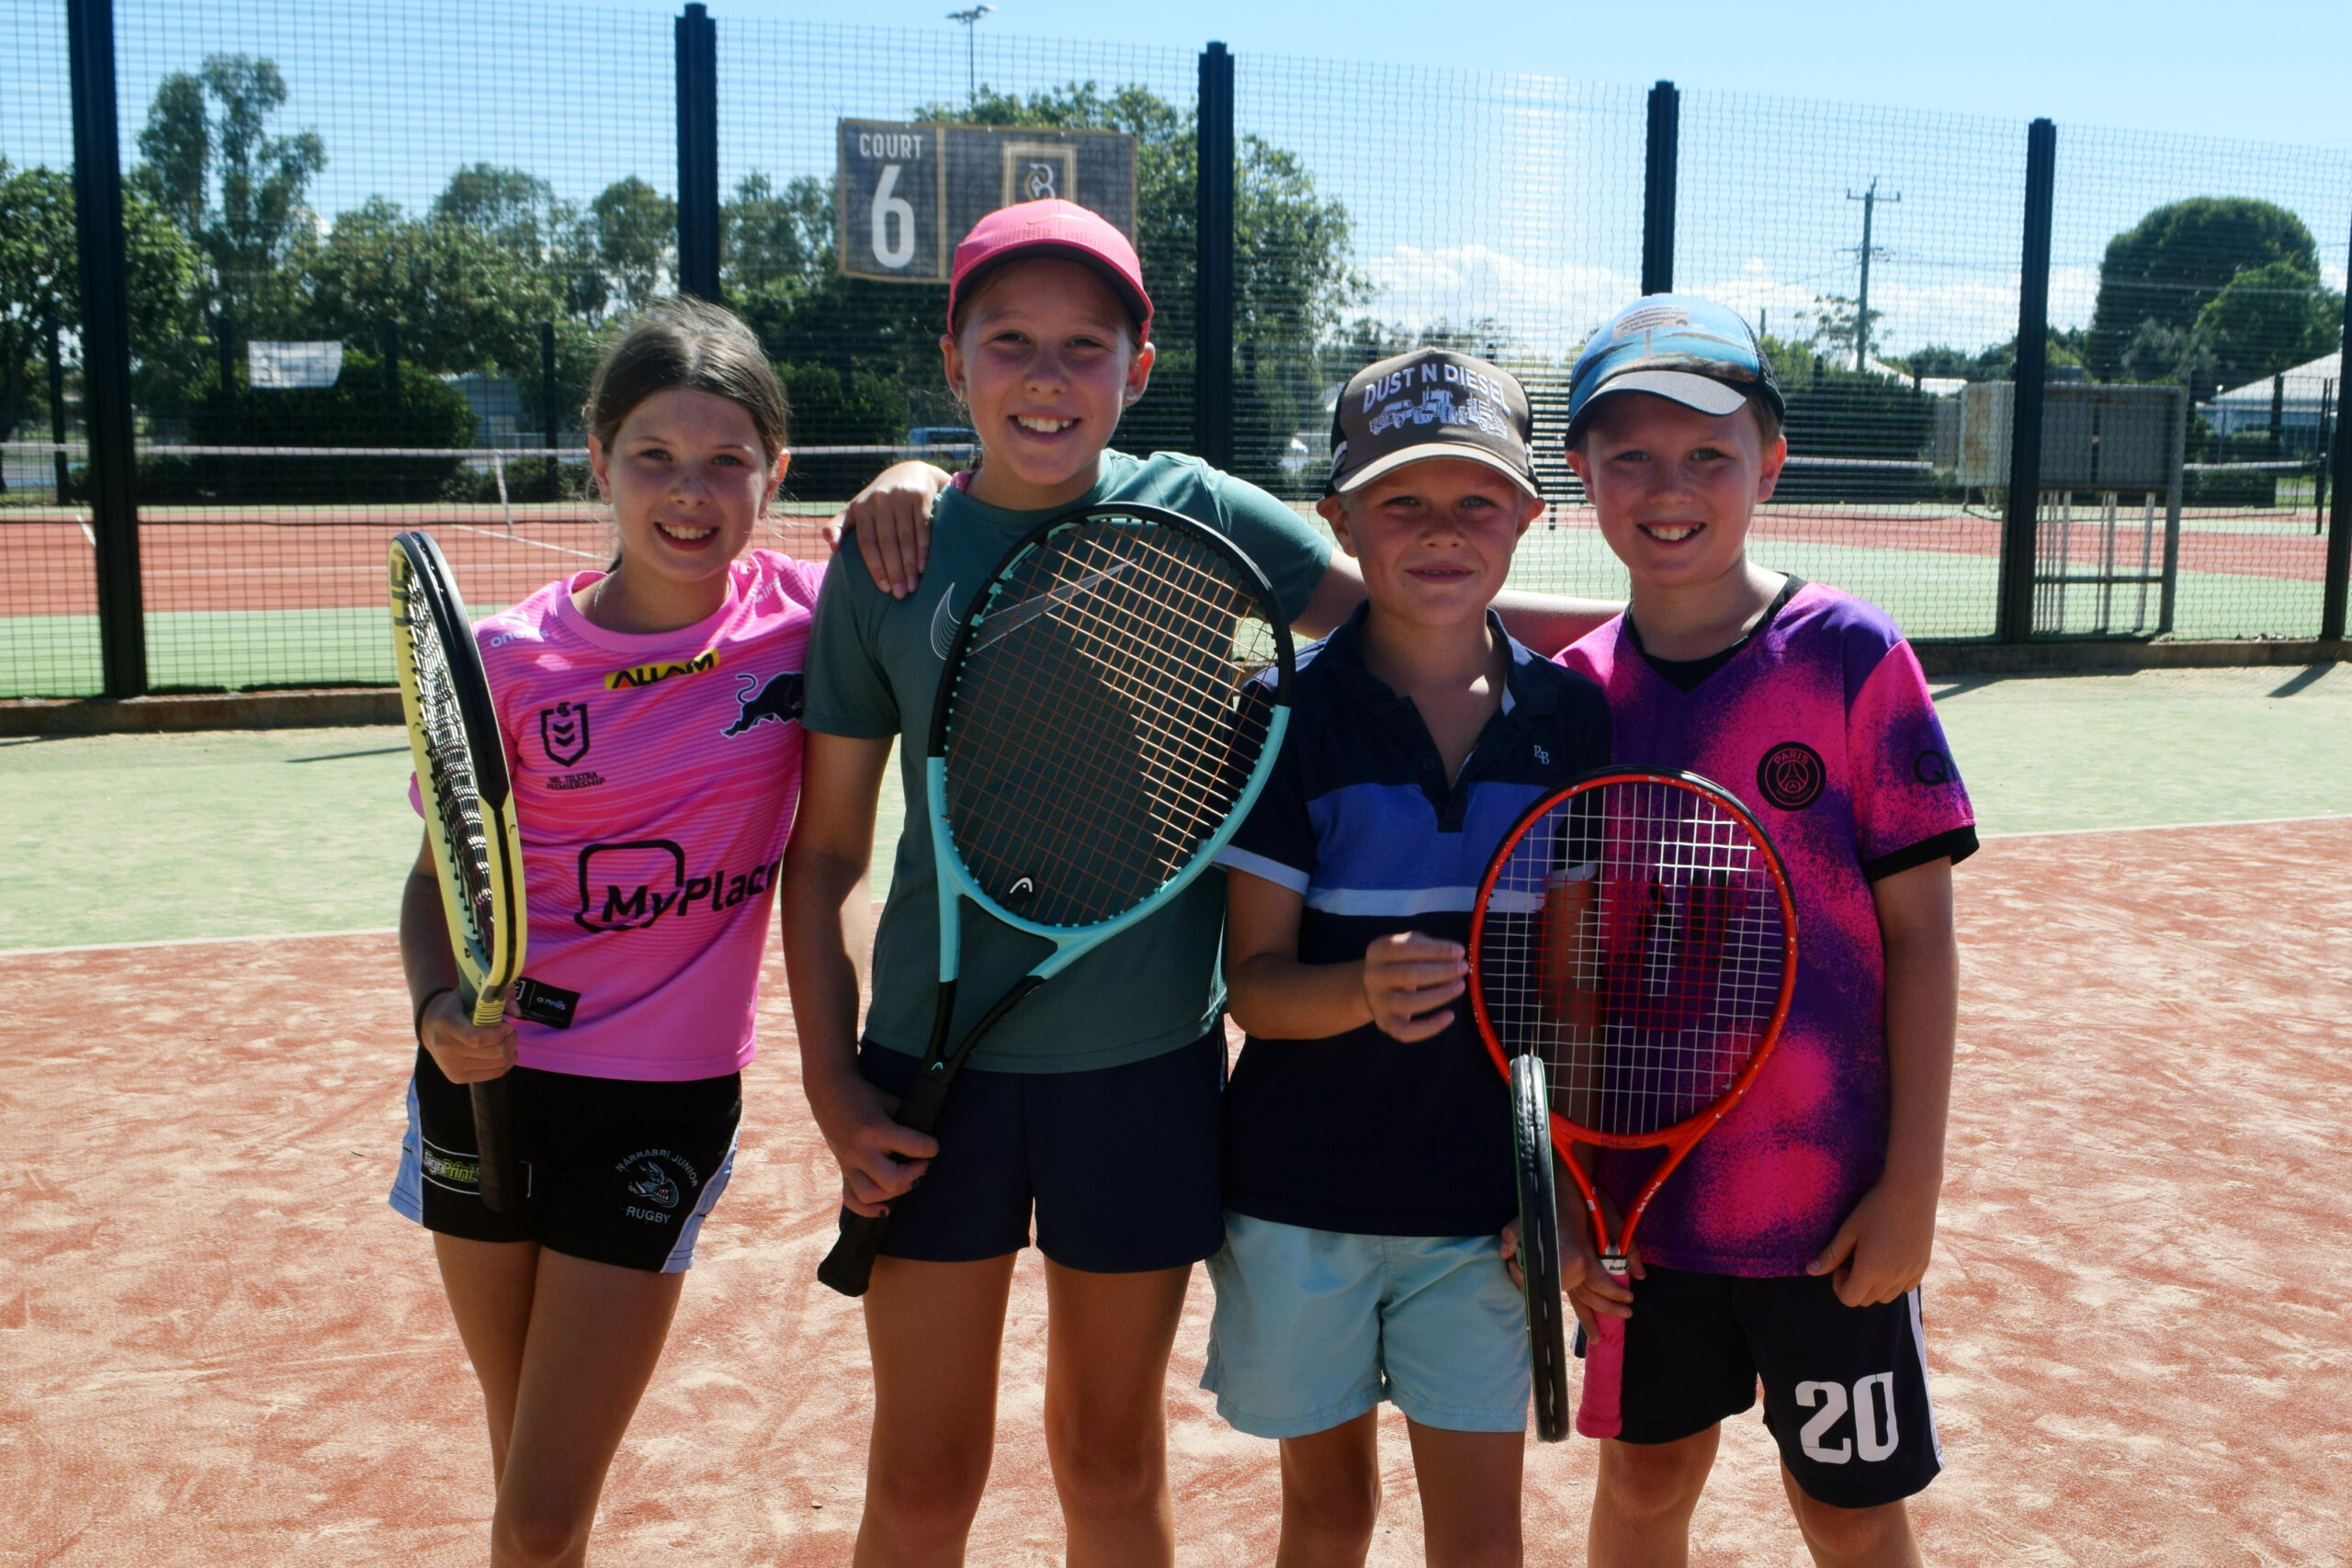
(1870, 200)
(971, 19)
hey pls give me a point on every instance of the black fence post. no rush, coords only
(1657, 189)
(106, 346)
(1212, 276)
(2339, 522)
(2015, 619)
(698, 153)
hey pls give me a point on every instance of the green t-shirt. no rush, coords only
(874, 669)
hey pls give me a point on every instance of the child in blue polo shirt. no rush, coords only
(1368, 1147)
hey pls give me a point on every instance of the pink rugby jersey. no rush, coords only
(655, 779)
(1822, 724)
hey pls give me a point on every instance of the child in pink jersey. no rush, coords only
(651, 721)
(1787, 1250)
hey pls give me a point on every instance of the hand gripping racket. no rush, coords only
(1631, 957)
(468, 818)
(1111, 705)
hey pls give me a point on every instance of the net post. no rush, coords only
(105, 345)
(1658, 189)
(2340, 524)
(2018, 523)
(1213, 274)
(698, 153)
(546, 402)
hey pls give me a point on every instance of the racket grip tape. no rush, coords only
(849, 1267)
(501, 1164)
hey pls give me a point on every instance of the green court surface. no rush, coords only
(121, 839)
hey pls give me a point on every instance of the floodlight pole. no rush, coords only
(971, 19)
(1870, 199)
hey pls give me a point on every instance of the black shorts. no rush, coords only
(615, 1171)
(1844, 1387)
(1124, 1165)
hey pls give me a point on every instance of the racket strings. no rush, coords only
(1635, 941)
(451, 790)
(1100, 726)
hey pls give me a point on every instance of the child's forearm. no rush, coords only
(827, 933)
(1547, 623)
(1922, 1021)
(1277, 997)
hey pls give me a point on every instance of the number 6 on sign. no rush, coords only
(889, 207)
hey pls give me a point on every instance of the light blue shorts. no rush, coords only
(1316, 1328)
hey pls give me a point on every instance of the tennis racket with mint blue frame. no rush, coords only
(1112, 703)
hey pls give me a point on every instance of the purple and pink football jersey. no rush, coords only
(655, 780)
(1821, 723)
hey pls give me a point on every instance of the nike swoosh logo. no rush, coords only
(942, 623)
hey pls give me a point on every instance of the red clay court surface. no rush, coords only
(241, 559)
(218, 1345)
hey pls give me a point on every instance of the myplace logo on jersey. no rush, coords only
(777, 698)
(648, 674)
(628, 886)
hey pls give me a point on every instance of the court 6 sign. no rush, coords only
(906, 193)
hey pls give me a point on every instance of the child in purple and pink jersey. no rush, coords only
(1790, 1245)
(651, 720)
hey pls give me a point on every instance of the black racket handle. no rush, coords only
(849, 1267)
(502, 1187)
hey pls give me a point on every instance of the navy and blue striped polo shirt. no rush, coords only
(1361, 1133)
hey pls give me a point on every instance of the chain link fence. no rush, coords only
(371, 249)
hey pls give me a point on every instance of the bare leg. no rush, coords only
(489, 1285)
(1853, 1537)
(1470, 1493)
(935, 1331)
(596, 1335)
(1107, 1339)
(1330, 1495)
(1643, 1502)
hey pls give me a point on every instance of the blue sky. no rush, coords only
(1489, 155)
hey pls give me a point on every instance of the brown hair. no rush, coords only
(694, 344)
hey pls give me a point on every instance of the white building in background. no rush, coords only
(2301, 389)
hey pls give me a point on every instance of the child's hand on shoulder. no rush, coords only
(1406, 976)
(464, 1051)
(1882, 1250)
(891, 518)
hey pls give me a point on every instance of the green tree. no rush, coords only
(2175, 261)
(40, 291)
(637, 231)
(461, 300)
(2267, 319)
(236, 190)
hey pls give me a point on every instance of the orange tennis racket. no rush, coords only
(1631, 957)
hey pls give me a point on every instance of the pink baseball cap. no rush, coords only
(1054, 228)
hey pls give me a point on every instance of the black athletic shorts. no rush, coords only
(616, 1171)
(1844, 1387)
(1125, 1165)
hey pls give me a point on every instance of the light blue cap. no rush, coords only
(1695, 352)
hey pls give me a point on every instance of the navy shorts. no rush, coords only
(1124, 1166)
(615, 1171)
(1844, 1387)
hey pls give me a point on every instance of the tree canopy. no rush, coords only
(2160, 276)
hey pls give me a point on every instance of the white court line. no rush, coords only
(2170, 826)
(189, 941)
(517, 539)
